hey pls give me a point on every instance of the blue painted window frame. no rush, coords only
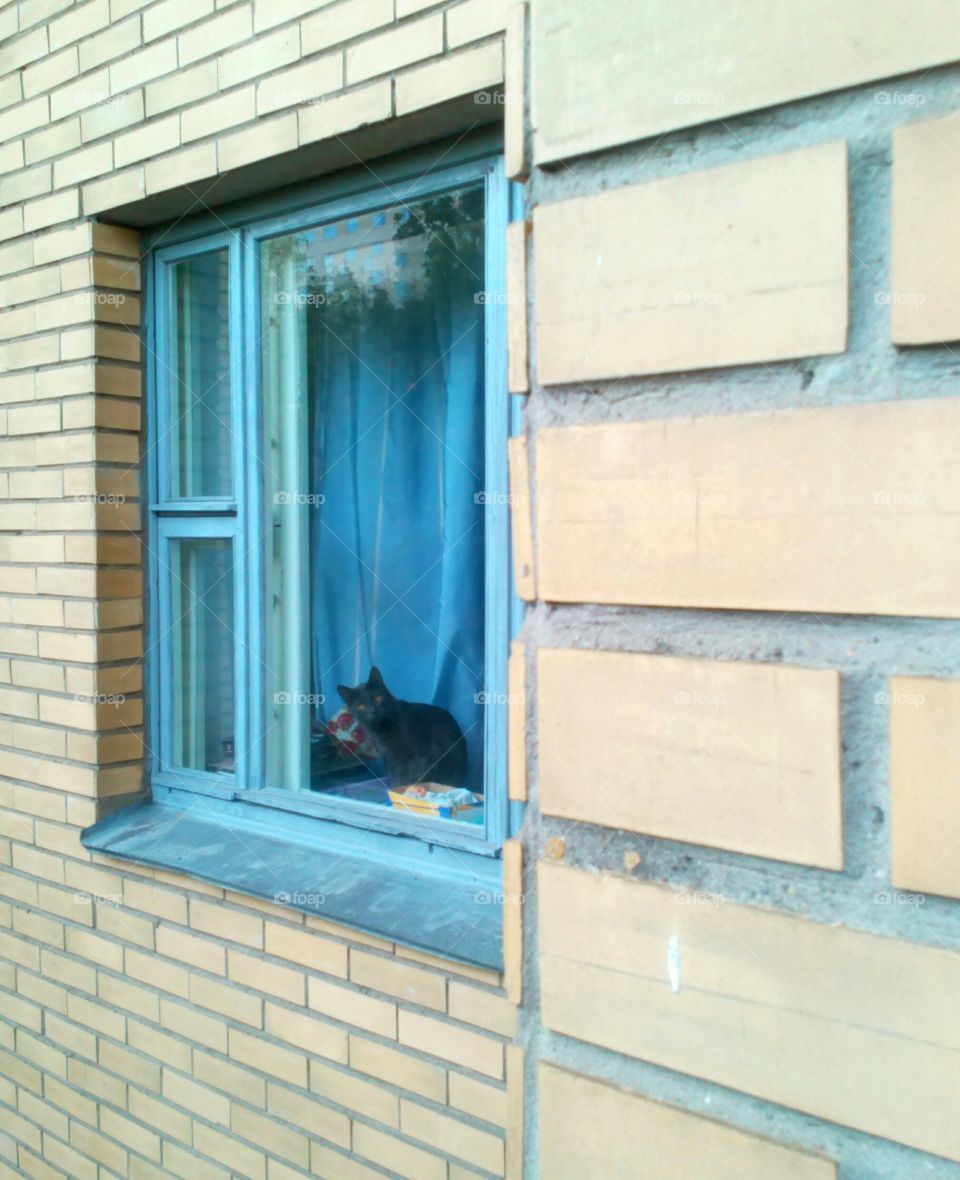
(235, 517)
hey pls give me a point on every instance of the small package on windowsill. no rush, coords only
(433, 799)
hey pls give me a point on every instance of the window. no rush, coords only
(331, 598)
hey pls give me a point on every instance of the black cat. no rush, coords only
(421, 743)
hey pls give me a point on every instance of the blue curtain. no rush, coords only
(396, 464)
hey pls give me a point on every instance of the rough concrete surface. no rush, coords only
(866, 650)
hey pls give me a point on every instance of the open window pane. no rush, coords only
(373, 435)
(201, 573)
(199, 372)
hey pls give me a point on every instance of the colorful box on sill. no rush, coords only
(433, 799)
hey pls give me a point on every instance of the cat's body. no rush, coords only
(421, 743)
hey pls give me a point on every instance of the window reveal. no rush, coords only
(330, 596)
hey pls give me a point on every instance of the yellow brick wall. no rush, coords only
(159, 1026)
(72, 602)
(105, 105)
(150, 1025)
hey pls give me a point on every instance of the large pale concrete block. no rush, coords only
(848, 509)
(735, 755)
(618, 70)
(725, 266)
(848, 1026)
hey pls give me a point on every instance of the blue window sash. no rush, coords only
(236, 516)
(163, 400)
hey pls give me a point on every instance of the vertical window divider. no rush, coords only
(254, 509)
(518, 212)
(151, 655)
(242, 522)
(496, 515)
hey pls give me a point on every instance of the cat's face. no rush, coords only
(372, 703)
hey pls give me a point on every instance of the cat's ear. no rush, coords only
(375, 680)
(347, 693)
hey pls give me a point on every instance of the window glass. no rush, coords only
(199, 373)
(372, 340)
(201, 574)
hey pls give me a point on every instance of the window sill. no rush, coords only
(452, 914)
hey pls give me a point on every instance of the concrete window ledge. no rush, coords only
(454, 915)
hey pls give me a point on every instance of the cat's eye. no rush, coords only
(378, 700)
